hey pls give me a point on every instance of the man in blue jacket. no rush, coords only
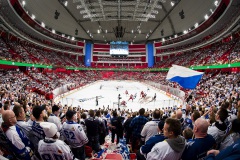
(197, 148)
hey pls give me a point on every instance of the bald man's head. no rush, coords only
(202, 125)
(179, 114)
(9, 117)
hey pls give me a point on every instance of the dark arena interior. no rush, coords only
(120, 79)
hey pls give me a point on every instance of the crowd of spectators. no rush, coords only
(24, 52)
(218, 53)
(210, 113)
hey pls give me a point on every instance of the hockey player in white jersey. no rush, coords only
(74, 135)
(54, 117)
(51, 148)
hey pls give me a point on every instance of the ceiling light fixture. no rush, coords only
(42, 24)
(33, 16)
(196, 25)
(65, 3)
(23, 3)
(206, 17)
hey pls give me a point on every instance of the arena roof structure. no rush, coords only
(172, 23)
(126, 20)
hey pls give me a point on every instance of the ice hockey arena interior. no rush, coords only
(120, 79)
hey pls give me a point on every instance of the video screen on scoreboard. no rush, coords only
(119, 48)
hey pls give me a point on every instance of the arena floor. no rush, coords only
(108, 91)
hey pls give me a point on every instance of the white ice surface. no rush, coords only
(110, 94)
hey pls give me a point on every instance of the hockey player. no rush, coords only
(51, 147)
(144, 95)
(141, 94)
(135, 95)
(123, 103)
(126, 92)
(74, 135)
(154, 97)
(19, 142)
(131, 98)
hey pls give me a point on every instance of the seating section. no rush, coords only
(218, 53)
(28, 53)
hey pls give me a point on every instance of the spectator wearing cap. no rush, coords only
(151, 128)
(171, 148)
(19, 142)
(74, 135)
(37, 131)
(21, 120)
(146, 148)
(136, 125)
(198, 147)
(51, 146)
(54, 117)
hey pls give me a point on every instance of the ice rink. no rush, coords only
(108, 92)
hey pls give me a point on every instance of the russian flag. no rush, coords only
(185, 77)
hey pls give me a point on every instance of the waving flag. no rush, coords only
(185, 77)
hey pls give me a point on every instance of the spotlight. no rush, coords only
(162, 32)
(56, 14)
(181, 14)
(76, 32)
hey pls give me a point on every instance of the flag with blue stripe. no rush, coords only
(185, 77)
